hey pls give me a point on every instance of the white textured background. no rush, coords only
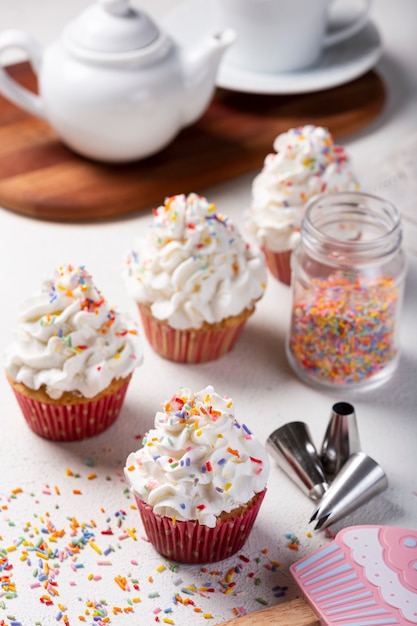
(255, 375)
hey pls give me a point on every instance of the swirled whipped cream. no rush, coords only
(198, 461)
(306, 162)
(69, 339)
(194, 266)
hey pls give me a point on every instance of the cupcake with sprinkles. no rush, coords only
(195, 280)
(306, 162)
(72, 358)
(199, 478)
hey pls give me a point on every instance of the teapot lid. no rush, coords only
(112, 26)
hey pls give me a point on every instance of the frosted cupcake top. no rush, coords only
(198, 461)
(69, 339)
(306, 162)
(194, 266)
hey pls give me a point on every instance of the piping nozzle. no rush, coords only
(359, 480)
(292, 449)
(341, 439)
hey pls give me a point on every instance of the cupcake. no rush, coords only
(367, 575)
(195, 280)
(72, 358)
(199, 478)
(306, 162)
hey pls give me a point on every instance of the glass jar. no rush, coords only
(348, 276)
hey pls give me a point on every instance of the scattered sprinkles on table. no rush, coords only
(342, 327)
(102, 557)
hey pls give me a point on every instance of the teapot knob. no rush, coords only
(116, 7)
(110, 27)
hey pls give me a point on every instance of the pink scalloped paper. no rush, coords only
(72, 422)
(367, 576)
(191, 542)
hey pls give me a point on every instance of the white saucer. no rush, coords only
(339, 64)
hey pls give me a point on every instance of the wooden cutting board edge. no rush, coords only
(41, 178)
(293, 613)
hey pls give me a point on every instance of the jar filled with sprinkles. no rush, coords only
(348, 275)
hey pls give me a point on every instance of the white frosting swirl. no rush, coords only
(198, 461)
(306, 163)
(69, 339)
(194, 266)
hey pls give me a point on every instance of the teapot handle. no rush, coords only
(11, 89)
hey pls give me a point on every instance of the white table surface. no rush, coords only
(43, 481)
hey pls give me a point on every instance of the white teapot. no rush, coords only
(114, 86)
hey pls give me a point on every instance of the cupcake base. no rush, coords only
(192, 542)
(279, 264)
(71, 417)
(207, 343)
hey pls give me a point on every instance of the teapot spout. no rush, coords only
(200, 69)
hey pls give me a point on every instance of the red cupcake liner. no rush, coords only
(72, 422)
(192, 542)
(279, 264)
(190, 346)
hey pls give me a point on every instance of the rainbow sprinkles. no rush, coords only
(102, 570)
(342, 329)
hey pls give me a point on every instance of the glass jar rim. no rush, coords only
(324, 209)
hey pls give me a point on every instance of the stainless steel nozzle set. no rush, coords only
(341, 477)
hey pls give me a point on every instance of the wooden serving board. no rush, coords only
(293, 613)
(41, 178)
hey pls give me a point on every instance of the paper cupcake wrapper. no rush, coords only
(192, 542)
(191, 346)
(72, 422)
(279, 264)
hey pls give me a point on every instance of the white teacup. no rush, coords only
(281, 35)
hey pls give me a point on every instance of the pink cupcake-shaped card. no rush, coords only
(367, 576)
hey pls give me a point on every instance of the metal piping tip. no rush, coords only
(359, 480)
(322, 523)
(292, 449)
(341, 439)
